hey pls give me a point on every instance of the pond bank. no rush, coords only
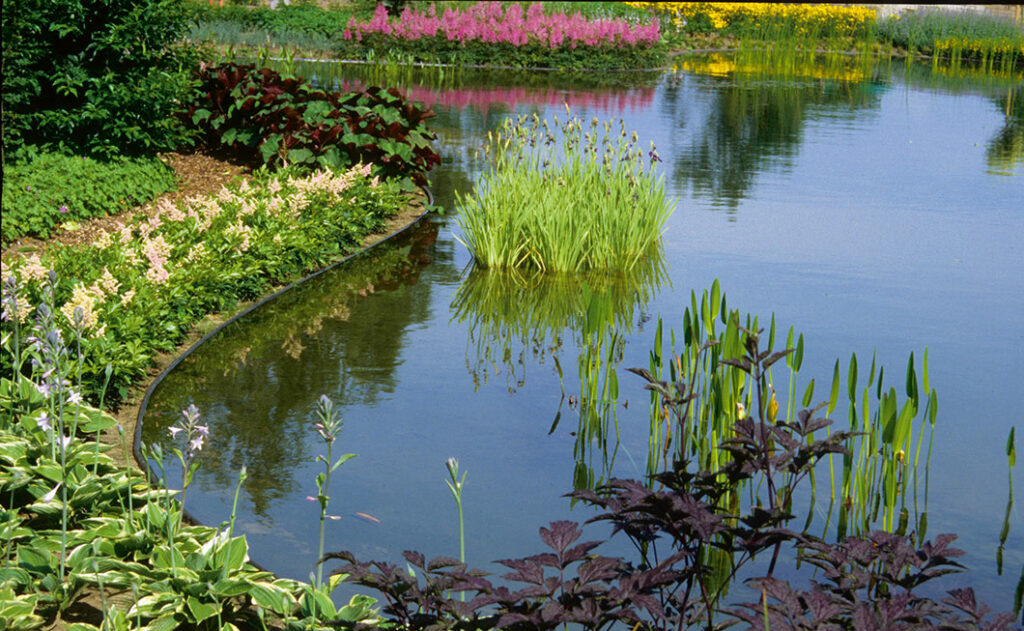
(199, 174)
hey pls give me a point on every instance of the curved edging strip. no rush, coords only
(140, 460)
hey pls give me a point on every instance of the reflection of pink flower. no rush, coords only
(608, 101)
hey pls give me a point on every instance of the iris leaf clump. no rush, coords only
(569, 199)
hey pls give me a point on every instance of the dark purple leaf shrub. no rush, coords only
(262, 116)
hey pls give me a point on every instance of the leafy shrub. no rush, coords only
(283, 120)
(285, 20)
(141, 287)
(98, 77)
(51, 188)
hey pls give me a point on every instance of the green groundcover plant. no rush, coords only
(50, 189)
(76, 527)
(142, 286)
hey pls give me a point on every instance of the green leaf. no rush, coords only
(833, 398)
(912, 380)
(716, 298)
(808, 394)
(1011, 448)
(300, 156)
(798, 357)
(200, 610)
(232, 555)
(35, 560)
(342, 460)
(851, 378)
(271, 597)
(163, 623)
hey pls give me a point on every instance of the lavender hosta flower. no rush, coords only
(44, 422)
(63, 209)
(51, 494)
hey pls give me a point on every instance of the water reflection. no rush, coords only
(255, 377)
(519, 318)
(755, 125)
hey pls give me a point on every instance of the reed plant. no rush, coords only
(564, 198)
(951, 33)
(874, 483)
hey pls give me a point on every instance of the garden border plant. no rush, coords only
(192, 548)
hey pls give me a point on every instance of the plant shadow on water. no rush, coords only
(519, 317)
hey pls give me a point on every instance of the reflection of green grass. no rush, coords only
(512, 314)
(510, 311)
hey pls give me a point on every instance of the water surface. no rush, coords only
(876, 208)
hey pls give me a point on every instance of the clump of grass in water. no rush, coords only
(566, 199)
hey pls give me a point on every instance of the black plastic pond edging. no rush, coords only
(137, 439)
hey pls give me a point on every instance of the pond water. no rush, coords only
(877, 208)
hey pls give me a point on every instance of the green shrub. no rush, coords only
(51, 188)
(97, 77)
(283, 120)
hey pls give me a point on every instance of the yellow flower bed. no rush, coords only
(981, 47)
(803, 19)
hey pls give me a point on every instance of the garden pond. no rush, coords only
(875, 206)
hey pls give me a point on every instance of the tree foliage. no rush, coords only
(99, 77)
